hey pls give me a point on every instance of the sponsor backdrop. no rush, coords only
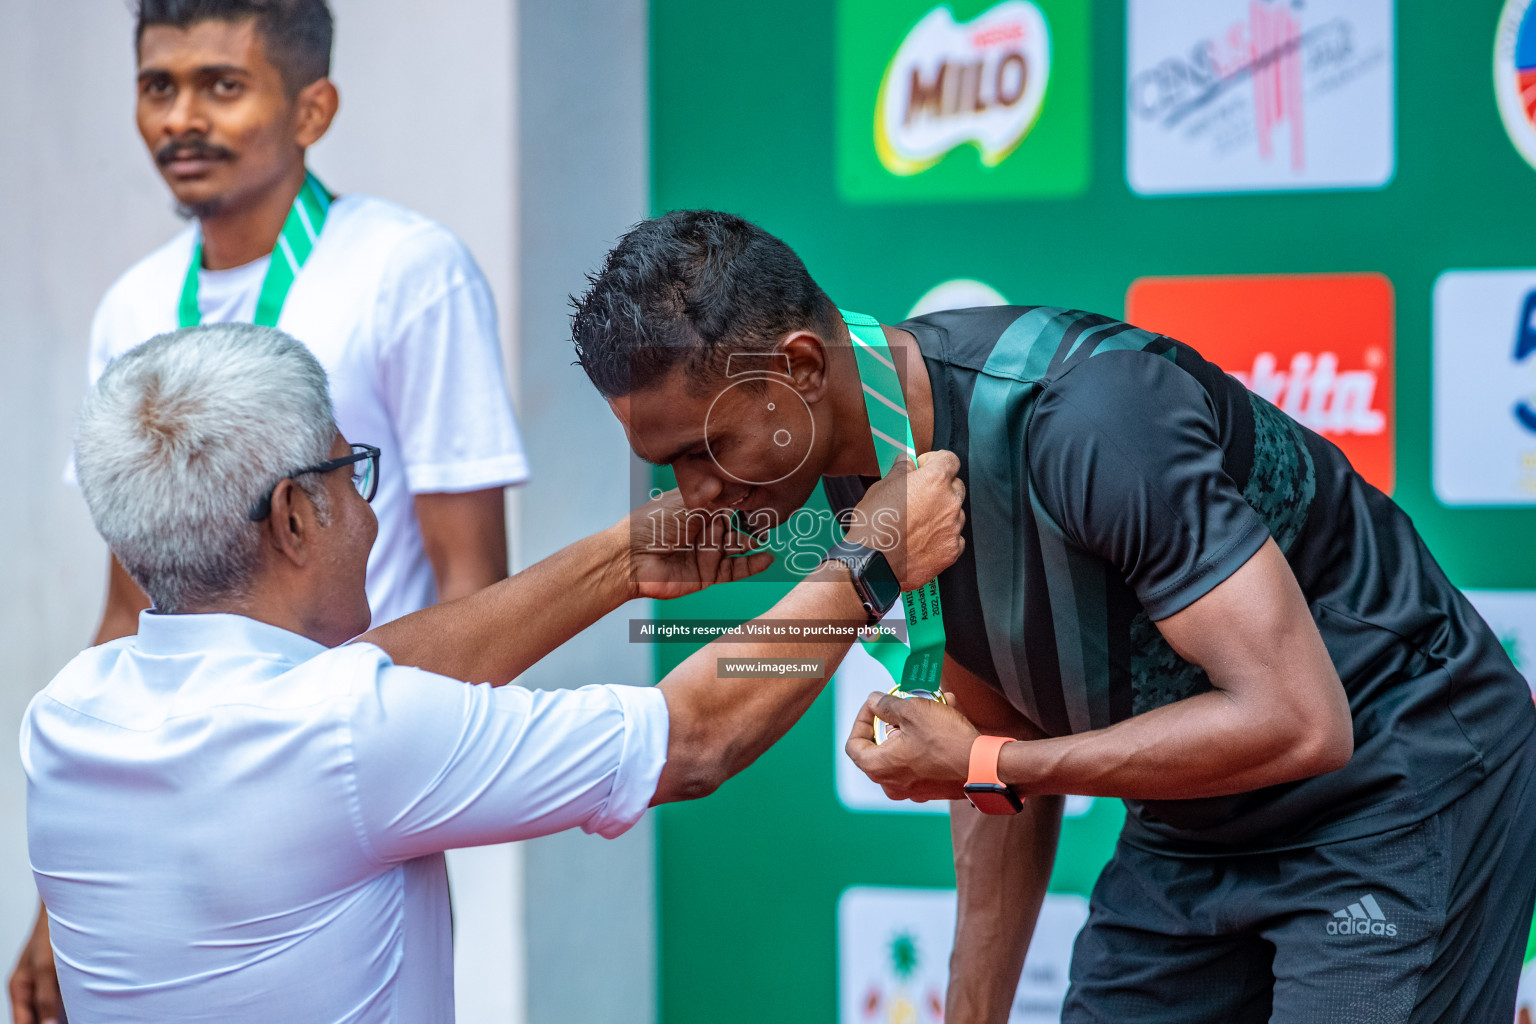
(1330, 198)
(1234, 97)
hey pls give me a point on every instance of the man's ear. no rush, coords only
(314, 109)
(290, 527)
(807, 357)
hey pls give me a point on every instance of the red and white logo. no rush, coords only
(1514, 74)
(1319, 346)
(1238, 95)
(1316, 393)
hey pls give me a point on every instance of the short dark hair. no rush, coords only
(297, 33)
(690, 288)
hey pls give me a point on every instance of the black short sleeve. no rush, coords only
(1124, 454)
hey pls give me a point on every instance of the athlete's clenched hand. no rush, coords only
(926, 755)
(914, 516)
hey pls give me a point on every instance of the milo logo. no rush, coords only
(950, 83)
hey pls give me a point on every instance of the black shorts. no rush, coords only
(1426, 923)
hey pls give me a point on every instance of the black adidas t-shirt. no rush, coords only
(1113, 478)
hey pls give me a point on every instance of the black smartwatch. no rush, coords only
(871, 574)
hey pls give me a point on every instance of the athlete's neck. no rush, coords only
(856, 449)
(249, 230)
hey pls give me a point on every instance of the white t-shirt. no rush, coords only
(229, 296)
(229, 822)
(395, 309)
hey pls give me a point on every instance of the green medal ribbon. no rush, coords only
(300, 232)
(916, 664)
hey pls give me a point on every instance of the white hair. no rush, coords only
(181, 436)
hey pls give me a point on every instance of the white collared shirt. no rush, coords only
(229, 822)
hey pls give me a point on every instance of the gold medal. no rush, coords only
(883, 730)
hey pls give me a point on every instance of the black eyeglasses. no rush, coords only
(366, 479)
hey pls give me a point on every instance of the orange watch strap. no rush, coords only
(984, 754)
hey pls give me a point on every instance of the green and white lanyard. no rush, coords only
(300, 232)
(916, 664)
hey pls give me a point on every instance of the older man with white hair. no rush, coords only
(236, 815)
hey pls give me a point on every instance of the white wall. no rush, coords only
(78, 203)
(583, 145)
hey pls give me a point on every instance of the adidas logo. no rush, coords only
(1363, 918)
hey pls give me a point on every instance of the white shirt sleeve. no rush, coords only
(441, 371)
(440, 764)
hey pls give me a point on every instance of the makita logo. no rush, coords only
(1319, 346)
(1316, 394)
(1362, 918)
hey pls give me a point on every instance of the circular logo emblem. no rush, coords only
(1514, 74)
(960, 293)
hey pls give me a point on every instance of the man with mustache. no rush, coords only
(1170, 592)
(230, 96)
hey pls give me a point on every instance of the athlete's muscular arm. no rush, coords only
(465, 537)
(1277, 713)
(719, 726)
(1002, 866)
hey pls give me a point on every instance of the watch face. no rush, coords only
(881, 581)
(991, 798)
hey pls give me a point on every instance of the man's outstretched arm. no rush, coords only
(719, 726)
(440, 769)
(495, 634)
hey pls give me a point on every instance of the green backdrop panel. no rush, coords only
(745, 117)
